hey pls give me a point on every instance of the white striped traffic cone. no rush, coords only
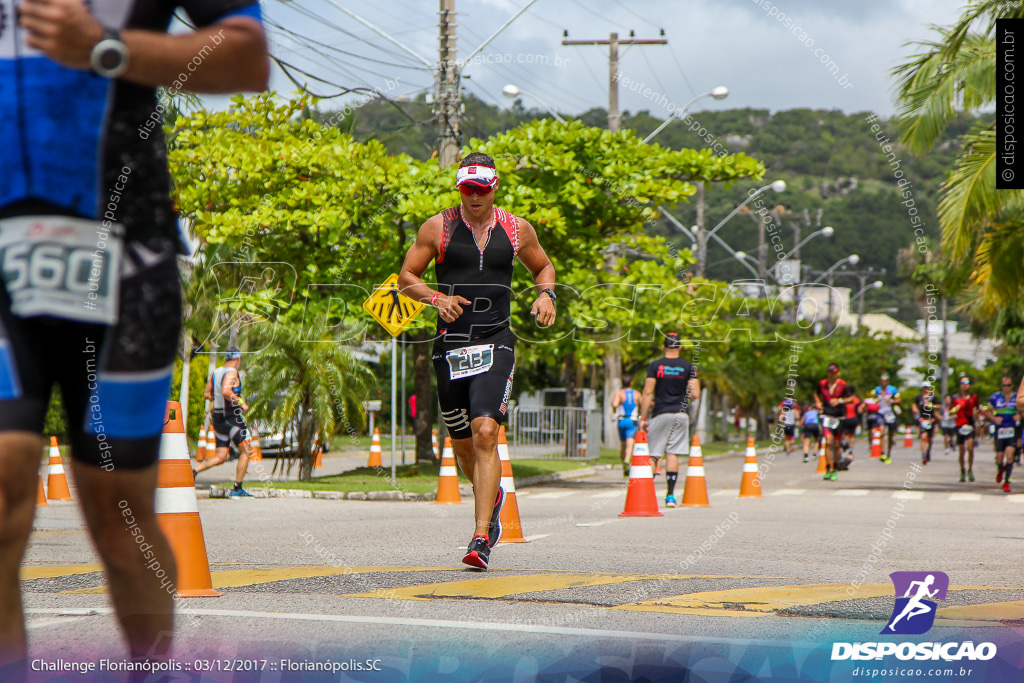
(177, 511)
(374, 460)
(695, 491)
(641, 499)
(750, 485)
(57, 482)
(511, 527)
(448, 481)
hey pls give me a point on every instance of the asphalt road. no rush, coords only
(761, 587)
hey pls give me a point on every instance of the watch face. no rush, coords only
(110, 59)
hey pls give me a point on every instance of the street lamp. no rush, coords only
(827, 231)
(719, 93)
(860, 294)
(743, 257)
(510, 91)
(852, 259)
(702, 239)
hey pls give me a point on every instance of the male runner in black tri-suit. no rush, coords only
(474, 247)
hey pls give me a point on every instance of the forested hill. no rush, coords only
(831, 161)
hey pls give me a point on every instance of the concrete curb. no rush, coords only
(396, 495)
(216, 491)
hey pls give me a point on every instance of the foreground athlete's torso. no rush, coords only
(479, 271)
(78, 144)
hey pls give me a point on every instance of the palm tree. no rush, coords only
(982, 228)
(317, 386)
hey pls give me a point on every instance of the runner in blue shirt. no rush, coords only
(1002, 409)
(888, 397)
(627, 411)
(809, 427)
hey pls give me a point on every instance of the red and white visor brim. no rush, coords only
(481, 176)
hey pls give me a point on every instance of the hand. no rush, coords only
(63, 30)
(450, 307)
(544, 310)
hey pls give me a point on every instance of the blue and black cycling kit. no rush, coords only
(81, 152)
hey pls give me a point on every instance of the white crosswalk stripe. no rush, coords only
(851, 492)
(788, 492)
(964, 497)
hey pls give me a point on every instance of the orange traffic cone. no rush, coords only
(641, 500)
(908, 441)
(695, 493)
(822, 466)
(57, 483)
(177, 511)
(254, 445)
(750, 485)
(374, 460)
(583, 445)
(433, 443)
(511, 527)
(211, 442)
(876, 442)
(41, 496)
(318, 462)
(201, 445)
(448, 482)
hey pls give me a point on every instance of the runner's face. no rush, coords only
(478, 205)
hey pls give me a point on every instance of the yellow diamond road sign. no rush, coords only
(392, 309)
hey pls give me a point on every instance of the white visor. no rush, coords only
(484, 176)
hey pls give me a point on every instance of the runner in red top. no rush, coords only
(831, 399)
(964, 405)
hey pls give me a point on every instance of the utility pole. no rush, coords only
(449, 97)
(612, 358)
(613, 43)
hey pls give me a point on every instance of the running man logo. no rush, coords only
(913, 613)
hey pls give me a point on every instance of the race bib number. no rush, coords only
(926, 424)
(966, 430)
(62, 267)
(470, 360)
(890, 419)
(1006, 433)
(830, 422)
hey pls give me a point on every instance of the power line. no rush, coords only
(310, 39)
(682, 72)
(641, 18)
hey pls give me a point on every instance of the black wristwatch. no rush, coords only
(109, 57)
(549, 292)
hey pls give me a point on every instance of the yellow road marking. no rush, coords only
(500, 586)
(233, 578)
(765, 600)
(47, 571)
(985, 613)
(760, 601)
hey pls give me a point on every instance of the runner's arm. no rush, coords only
(233, 51)
(693, 389)
(1020, 397)
(648, 396)
(532, 255)
(424, 250)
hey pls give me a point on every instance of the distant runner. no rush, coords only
(964, 405)
(924, 407)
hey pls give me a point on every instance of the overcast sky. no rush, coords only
(773, 55)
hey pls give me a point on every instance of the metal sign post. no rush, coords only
(394, 404)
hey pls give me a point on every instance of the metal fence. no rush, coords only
(555, 433)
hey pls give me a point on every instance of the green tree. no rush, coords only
(982, 228)
(317, 387)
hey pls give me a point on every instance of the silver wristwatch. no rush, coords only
(109, 57)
